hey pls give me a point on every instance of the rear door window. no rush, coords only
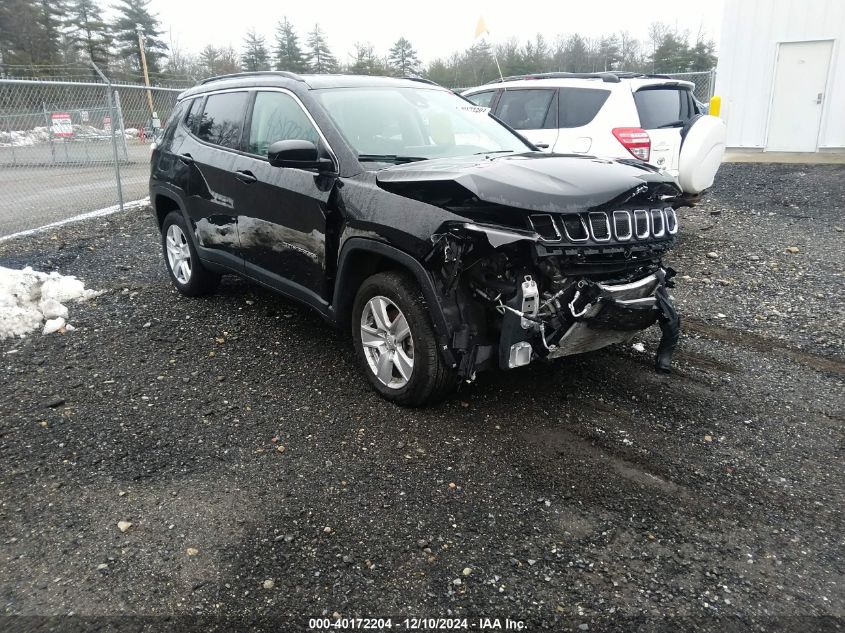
(579, 106)
(528, 108)
(483, 99)
(223, 118)
(664, 106)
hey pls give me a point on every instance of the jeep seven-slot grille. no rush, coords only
(600, 226)
(545, 226)
(641, 223)
(575, 228)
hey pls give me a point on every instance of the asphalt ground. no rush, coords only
(588, 494)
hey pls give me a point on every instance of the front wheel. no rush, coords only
(395, 342)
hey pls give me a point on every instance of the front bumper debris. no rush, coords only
(597, 315)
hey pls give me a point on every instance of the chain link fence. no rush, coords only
(67, 148)
(705, 83)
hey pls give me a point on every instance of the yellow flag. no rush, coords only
(481, 27)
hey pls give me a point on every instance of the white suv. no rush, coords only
(616, 115)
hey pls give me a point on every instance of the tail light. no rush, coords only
(635, 140)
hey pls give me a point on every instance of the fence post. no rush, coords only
(113, 117)
(122, 125)
(11, 142)
(49, 125)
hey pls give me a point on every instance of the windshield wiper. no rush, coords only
(497, 151)
(677, 123)
(389, 158)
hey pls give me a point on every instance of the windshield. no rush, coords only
(394, 124)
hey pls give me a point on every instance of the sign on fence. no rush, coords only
(61, 124)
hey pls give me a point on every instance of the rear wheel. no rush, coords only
(395, 341)
(187, 273)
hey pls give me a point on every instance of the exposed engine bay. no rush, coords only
(566, 284)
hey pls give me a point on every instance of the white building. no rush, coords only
(781, 74)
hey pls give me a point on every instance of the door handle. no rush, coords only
(819, 98)
(245, 176)
(186, 158)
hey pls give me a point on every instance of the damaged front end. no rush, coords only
(565, 284)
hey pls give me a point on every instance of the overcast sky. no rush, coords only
(436, 28)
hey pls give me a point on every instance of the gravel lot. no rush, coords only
(591, 494)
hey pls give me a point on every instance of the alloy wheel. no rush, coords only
(178, 254)
(387, 341)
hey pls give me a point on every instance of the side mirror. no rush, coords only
(298, 154)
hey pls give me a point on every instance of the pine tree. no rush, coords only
(50, 17)
(403, 59)
(702, 56)
(132, 13)
(609, 54)
(18, 32)
(511, 58)
(210, 61)
(671, 54)
(30, 35)
(577, 55)
(87, 31)
(255, 55)
(288, 52)
(320, 58)
(366, 61)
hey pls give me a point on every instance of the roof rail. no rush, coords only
(609, 76)
(420, 79)
(277, 73)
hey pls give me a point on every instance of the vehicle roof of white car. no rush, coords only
(608, 81)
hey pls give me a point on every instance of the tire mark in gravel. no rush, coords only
(560, 443)
(701, 361)
(760, 343)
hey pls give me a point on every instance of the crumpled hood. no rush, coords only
(536, 181)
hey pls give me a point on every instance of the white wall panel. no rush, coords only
(751, 31)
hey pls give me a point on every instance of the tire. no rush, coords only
(388, 349)
(190, 277)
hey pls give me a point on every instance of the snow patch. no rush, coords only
(41, 134)
(29, 297)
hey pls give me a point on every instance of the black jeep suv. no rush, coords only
(443, 240)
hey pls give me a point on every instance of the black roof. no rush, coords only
(316, 82)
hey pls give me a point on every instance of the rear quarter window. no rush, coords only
(664, 106)
(223, 119)
(579, 106)
(483, 99)
(170, 127)
(193, 116)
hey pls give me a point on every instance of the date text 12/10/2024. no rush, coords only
(415, 624)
